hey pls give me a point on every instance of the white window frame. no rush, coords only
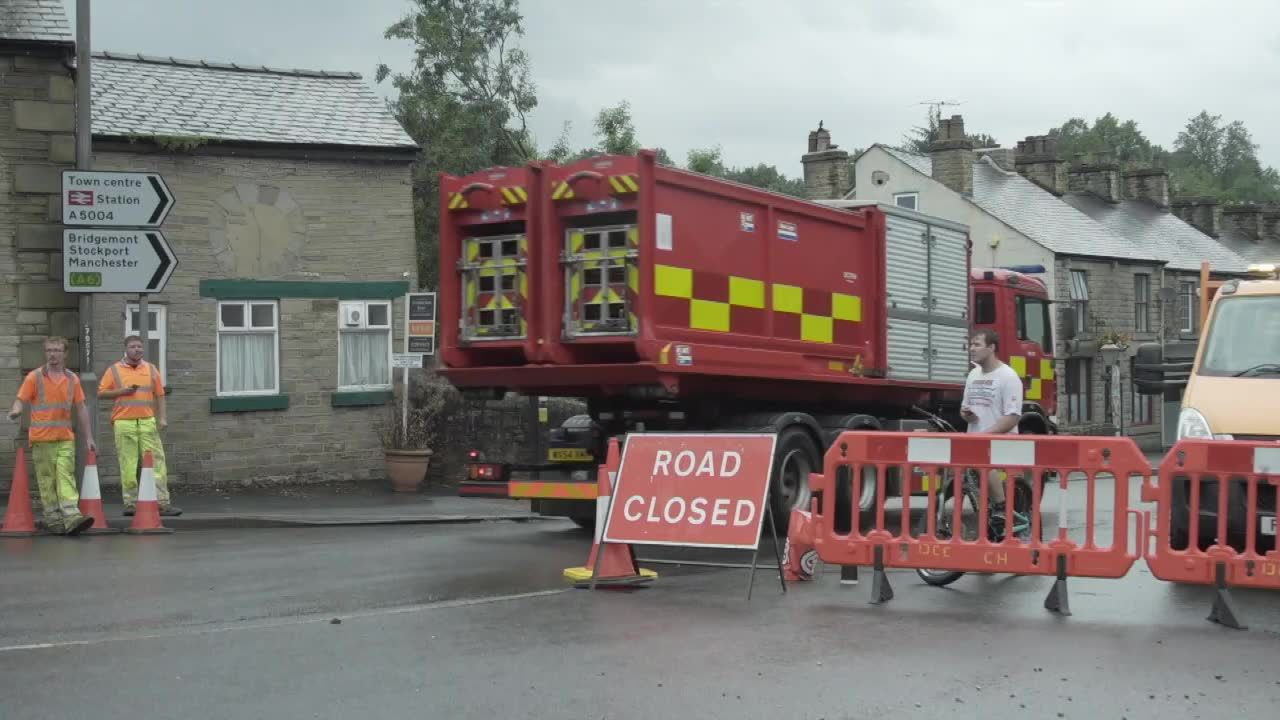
(1141, 302)
(161, 333)
(915, 200)
(1080, 299)
(248, 329)
(1188, 298)
(364, 327)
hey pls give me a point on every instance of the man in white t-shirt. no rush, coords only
(992, 404)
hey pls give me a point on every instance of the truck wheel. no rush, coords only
(794, 458)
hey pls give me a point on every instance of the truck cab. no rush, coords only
(1230, 390)
(1015, 304)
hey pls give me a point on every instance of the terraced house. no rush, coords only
(293, 228)
(1109, 243)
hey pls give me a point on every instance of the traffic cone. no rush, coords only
(146, 516)
(18, 520)
(91, 498)
(617, 561)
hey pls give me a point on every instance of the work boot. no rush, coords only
(78, 526)
(171, 511)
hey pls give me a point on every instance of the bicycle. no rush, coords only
(971, 489)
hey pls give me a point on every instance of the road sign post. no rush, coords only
(419, 339)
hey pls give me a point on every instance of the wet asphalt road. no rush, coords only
(474, 622)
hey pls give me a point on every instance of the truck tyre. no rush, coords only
(795, 456)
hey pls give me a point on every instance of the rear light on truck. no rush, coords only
(486, 471)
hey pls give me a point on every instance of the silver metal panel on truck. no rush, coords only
(908, 349)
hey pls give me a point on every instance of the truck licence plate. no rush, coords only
(1268, 526)
(569, 455)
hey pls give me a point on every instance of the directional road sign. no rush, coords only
(114, 199)
(103, 260)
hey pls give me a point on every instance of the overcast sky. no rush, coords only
(754, 76)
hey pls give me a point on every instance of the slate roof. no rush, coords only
(1040, 215)
(144, 95)
(1251, 250)
(1181, 244)
(35, 21)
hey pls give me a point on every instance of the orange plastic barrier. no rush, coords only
(1027, 462)
(1236, 548)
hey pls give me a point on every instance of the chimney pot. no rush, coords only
(826, 168)
(952, 156)
(1148, 185)
(1037, 160)
(1202, 212)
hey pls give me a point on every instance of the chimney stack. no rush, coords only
(826, 167)
(952, 155)
(1037, 160)
(1202, 212)
(1098, 175)
(1148, 185)
(1244, 219)
(1271, 224)
(1001, 156)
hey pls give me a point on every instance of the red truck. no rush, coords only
(670, 300)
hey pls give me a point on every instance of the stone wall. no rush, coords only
(1111, 308)
(268, 219)
(37, 123)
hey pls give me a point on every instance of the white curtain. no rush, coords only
(364, 358)
(247, 362)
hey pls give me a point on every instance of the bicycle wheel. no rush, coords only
(945, 519)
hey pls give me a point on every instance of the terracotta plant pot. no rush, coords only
(407, 469)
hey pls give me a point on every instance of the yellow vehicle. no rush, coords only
(1231, 392)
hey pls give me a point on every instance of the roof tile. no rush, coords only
(34, 20)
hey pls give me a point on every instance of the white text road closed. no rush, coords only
(704, 490)
(116, 261)
(114, 199)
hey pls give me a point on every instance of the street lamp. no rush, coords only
(1111, 354)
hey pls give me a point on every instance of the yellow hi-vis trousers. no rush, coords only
(55, 463)
(133, 438)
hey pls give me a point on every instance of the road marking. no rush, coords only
(287, 622)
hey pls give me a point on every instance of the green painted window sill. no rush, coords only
(272, 289)
(248, 403)
(359, 398)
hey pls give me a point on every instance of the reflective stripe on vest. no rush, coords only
(42, 405)
(133, 401)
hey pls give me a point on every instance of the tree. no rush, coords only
(1107, 133)
(1200, 144)
(464, 102)
(921, 138)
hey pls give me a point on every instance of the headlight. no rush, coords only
(1193, 426)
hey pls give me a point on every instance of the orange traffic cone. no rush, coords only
(18, 520)
(91, 498)
(616, 562)
(146, 515)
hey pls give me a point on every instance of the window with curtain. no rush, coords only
(1142, 303)
(248, 348)
(1080, 299)
(364, 345)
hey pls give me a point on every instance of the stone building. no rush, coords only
(293, 227)
(1024, 206)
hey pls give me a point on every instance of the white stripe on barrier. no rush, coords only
(1266, 461)
(1006, 453)
(929, 450)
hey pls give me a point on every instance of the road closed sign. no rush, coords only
(696, 490)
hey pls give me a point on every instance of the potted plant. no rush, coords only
(407, 437)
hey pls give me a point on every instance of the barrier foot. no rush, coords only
(881, 591)
(1224, 609)
(848, 574)
(1057, 601)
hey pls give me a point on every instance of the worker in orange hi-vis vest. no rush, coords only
(137, 418)
(51, 391)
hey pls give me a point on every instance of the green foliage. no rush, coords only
(1208, 157)
(920, 138)
(172, 143)
(709, 161)
(464, 102)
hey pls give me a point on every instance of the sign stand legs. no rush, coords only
(777, 554)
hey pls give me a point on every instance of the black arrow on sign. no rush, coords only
(166, 260)
(166, 200)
